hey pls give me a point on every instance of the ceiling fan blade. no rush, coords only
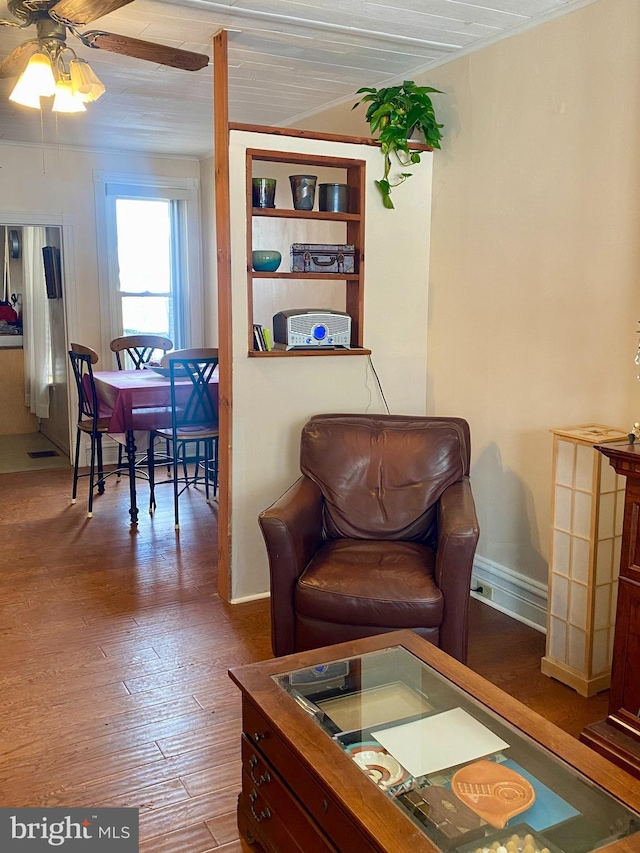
(85, 11)
(16, 62)
(159, 53)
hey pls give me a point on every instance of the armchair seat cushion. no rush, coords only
(357, 582)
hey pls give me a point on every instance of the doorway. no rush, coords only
(34, 405)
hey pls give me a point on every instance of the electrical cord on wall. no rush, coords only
(370, 360)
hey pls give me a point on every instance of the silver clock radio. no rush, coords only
(312, 327)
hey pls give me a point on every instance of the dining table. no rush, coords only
(138, 402)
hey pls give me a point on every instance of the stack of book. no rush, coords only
(261, 338)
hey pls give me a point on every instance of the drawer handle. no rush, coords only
(257, 737)
(261, 779)
(253, 763)
(265, 814)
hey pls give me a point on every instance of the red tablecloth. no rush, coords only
(139, 399)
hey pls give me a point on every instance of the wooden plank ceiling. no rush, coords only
(287, 58)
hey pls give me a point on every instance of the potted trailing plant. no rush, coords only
(396, 112)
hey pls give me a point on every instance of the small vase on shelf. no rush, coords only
(303, 191)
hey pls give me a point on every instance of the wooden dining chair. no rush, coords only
(194, 420)
(140, 349)
(82, 360)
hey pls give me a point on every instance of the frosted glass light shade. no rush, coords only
(84, 82)
(23, 94)
(64, 100)
(35, 82)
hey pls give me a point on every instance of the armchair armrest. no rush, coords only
(292, 530)
(458, 533)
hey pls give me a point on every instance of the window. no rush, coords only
(146, 285)
(150, 271)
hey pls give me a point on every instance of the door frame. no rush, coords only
(66, 223)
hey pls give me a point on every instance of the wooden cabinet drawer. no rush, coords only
(267, 829)
(268, 796)
(316, 799)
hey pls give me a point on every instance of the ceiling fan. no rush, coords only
(52, 19)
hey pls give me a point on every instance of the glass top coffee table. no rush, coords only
(388, 744)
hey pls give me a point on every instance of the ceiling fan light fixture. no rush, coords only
(35, 82)
(84, 81)
(23, 95)
(64, 100)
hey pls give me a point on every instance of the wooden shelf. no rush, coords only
(307, 276)
(278, 287)
(288, 213)
(414, 145)
(279, 353)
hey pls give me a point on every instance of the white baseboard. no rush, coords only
(109, 452)
(514, 594)
(243, 599)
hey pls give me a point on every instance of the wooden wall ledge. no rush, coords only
(313, 134)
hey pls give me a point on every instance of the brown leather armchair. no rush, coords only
(378, 534)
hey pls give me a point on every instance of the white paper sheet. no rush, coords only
(438, 742)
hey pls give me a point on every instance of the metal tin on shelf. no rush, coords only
(333, 198)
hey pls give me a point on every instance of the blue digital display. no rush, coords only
(320, 332)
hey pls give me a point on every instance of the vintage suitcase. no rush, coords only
(322, 257)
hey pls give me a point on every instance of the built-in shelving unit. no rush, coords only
(352, 223)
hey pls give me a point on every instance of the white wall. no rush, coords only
(59, 183)
(534, 298)
(273, 398)
(536, 258)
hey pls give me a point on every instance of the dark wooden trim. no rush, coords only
(618, 737)
(286, 213)
(620, 749)
(223, 247)
(356, 179)
(327, 160)
(314, 134)
(249, 220)
(308, 276)
(278, 353)
(354, 282)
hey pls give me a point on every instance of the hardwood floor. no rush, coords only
(115, 651)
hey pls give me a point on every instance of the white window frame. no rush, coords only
(111, 185)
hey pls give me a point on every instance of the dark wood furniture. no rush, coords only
(302, 791)
(618, 737)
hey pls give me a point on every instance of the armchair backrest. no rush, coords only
(381, 476)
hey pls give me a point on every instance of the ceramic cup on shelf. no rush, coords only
(263, 192)
(303, 191)
(265, 260)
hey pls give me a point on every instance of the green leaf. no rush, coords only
(393, 112)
